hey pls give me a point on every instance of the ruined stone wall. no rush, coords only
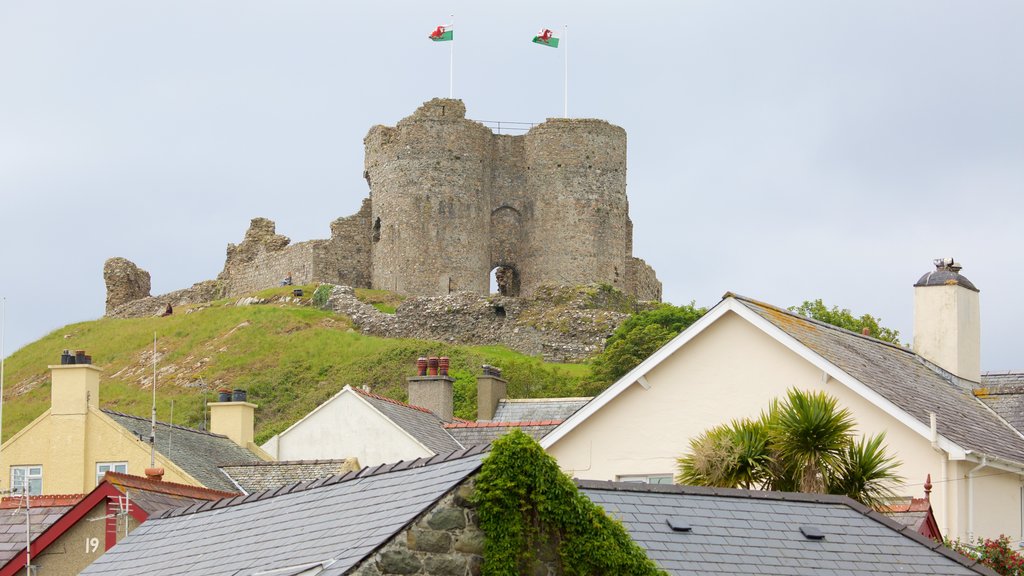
(345, 260)
(642, 282)
(125, 282)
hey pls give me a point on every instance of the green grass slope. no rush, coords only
(289, 355)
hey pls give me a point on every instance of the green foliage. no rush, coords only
(843, 318)
(996, 554)
(321, 295)
(526, 504)
(383, 300)
(640, 336)
(804, 443)
(289, 357)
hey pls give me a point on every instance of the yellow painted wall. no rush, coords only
(69, 447)
(733, 370)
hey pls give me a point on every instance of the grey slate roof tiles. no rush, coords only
(12, 524)
(750, 532)
(196, 452)
(531, 409)
(341, 519)
(260, 475)
(905, 379)
(1003, 392)
(483, 433)
(421, 423)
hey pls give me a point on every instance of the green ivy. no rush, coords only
(527, 506)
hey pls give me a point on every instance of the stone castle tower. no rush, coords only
(450, 202)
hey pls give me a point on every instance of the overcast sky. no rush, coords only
(782, 150)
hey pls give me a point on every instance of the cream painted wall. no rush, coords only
(68, 448)
(732, 370)
(346, 426)
(947, 328)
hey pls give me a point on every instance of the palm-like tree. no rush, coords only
(804, 443)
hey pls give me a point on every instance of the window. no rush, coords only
(30, 476)
(104, 467)
(645, 478)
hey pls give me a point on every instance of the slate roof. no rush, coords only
(912, 512)
(529, 409)
(196, 452)
(419, 422)
(341, 519)
(262, 475)
(155, 496)
(484, 432)
(1003, 392)
(905, 379)
(751, 532)
(43, 512)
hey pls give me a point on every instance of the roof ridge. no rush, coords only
(169, 425)
(41, 500)
(301, 486)
(172, 488)
(290, 462)
(392, 400)
(497, 424)
(816, 322)
(561, 399)
(1003, 373)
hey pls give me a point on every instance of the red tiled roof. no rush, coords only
(502, 424)
(44, 501)
(162, 487)
(391, 400)
(914, 505)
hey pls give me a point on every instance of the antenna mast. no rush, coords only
(152, 430)
(3, 324)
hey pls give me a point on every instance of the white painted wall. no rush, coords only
(947, 328)
(346, 426)
(732, 370)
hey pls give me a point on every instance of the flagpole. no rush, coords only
(565, 41)
(451, 61)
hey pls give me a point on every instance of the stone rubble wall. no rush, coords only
(572, 334)
(446, 540)
(199, 293)
(643, 283)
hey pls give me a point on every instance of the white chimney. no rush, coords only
(947, 320)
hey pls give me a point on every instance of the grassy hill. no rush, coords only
(289, 355)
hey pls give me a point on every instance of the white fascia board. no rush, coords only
(994, 462)
(638, 373)
(850, 382)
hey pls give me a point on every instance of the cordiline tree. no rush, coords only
(804, 443)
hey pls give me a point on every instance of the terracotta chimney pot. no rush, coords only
(155, 473)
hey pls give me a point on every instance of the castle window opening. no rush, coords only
(505, 280)
(376, 230)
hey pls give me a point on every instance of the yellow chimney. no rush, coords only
(73, 388)
(235, 419)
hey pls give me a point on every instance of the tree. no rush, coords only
(804, 443)
(639, 336)
(843, 318)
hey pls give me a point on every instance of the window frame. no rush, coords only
(26, 471)
(644, 478)
(111, 465)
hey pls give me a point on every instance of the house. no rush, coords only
(418, 518)
(743, 353)
(42, 512)
(70, 537)
(373, 429)
(696, 530)
(69, 447)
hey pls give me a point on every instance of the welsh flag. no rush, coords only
(442, 33)
(546, 38)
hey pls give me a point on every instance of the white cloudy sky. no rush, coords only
(782, 150)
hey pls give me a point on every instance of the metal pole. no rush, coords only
(451, 60)
(28, 528)
(3, 326)
(565, 43)
(152, 431)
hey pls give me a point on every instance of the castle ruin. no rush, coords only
(450, 201)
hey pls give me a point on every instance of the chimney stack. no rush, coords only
(235, 419)
(490, 389)
(947, 320)
(74, 384)
(432, 387)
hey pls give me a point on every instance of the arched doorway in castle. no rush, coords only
(505, 280)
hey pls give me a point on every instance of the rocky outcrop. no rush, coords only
(125, 282)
